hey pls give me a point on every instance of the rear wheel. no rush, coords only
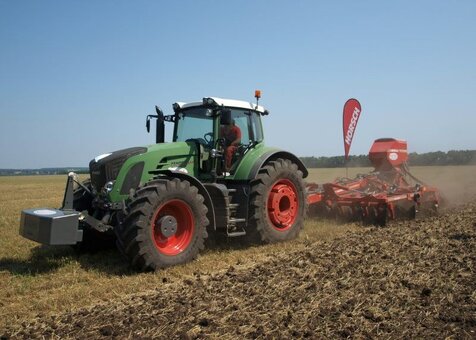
(278, 202)
(166, 225)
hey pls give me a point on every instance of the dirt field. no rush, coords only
(410, 279)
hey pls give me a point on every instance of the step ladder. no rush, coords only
(234, 226)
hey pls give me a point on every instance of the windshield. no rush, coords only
(193, 123)
(197, 122)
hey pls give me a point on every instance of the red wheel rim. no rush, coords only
(177, 243)
(283, 205)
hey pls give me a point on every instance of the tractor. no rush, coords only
(160, 202)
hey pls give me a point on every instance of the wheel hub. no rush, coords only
(283, 205)
(168, 225)
(173, 227)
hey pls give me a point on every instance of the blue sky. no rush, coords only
(78, 77)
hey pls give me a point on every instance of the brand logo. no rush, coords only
(353, 123)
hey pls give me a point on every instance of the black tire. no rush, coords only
(278, 202)
(142, 235)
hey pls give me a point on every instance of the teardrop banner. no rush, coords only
(352, 110)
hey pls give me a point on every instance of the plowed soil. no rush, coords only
(409, 279)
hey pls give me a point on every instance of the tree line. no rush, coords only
(453, 157)
(42, 171)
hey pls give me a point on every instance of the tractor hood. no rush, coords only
(106, 167)
(129, 168)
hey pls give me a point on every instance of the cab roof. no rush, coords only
(239, 104)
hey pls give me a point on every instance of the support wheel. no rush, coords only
(166, 225)
(278, 202)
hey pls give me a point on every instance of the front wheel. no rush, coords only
(278, 201)
(166, 225)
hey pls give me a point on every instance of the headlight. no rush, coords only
(108, 186)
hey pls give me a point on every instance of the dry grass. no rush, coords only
(36, 279)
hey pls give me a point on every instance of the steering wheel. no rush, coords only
(209, 140)
(206, 141)
(198, 140)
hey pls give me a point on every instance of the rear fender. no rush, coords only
(273, 155)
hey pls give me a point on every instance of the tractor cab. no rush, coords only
(222, 130)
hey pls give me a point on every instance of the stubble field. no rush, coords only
(409, 279)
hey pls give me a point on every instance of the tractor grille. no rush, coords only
(108, 168)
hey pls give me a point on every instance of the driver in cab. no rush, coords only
(231, 133)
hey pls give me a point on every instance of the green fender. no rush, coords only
(257, 157)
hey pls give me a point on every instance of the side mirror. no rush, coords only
(147, 123)
(225, 117)
(160, 133)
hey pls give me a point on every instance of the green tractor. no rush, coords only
(161, 202)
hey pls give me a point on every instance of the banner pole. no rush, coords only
(346, 168)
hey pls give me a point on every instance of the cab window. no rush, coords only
(249, 124)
